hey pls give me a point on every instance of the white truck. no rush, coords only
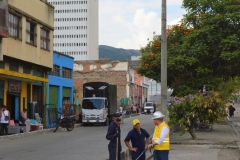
(99, 102)
(149, 107)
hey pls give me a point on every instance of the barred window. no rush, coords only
(13, 67)
(66, 73)
(45, 39)
(14, 29)
(27, 70)
(56, 71)
(31, 33)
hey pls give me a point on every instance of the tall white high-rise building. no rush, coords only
(76, 28)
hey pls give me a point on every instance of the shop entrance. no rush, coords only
(13, 105)
(37, 95)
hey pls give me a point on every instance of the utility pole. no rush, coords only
(164, 61)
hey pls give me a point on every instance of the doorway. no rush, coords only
(13, 105)
(37, 95)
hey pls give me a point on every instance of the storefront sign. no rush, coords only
(14, 86)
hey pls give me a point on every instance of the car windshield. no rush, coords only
(149, 104)
(92, 104)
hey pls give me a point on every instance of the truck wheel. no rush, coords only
(107, 122)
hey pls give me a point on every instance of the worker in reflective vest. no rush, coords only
(160, 141)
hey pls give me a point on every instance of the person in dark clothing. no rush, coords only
(231, 111)
(114, 135)
(139, 139)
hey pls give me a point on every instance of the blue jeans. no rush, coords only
(160, 154)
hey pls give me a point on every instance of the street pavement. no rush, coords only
(88, 142)
(84, 142)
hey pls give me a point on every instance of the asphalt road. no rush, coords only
(84, 143)
(89, 143)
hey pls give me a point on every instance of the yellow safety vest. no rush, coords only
(165, 145)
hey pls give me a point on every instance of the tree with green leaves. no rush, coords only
(204, 49)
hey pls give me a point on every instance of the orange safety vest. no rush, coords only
(165, 145)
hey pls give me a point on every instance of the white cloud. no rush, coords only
(175, 21)
(142, 27)
(128, 24)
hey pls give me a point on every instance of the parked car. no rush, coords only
(149, 107)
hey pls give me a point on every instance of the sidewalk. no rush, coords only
(222, 143)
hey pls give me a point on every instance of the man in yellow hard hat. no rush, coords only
(139, 138)
(160, 140)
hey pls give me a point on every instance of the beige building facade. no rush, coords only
(26, 54)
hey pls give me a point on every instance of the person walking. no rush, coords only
(114, 135)
(231, 111)
(121, 110)
(139, 138)
(135, 109)
(4, 120)
(160, 140)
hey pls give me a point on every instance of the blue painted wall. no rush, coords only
(62, 61)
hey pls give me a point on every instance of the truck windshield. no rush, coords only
(149, 104)
(92, 103)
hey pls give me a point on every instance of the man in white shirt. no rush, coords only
(4, 120)
(121, 109)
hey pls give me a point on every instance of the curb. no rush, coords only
(22, 135)
(26, 134)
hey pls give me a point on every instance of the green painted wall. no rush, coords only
(66, 92)
(53, 96)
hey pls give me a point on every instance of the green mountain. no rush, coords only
(107, 52)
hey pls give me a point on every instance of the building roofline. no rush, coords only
(46, 2)
(88, 61)
(62, 54)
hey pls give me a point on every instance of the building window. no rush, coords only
(66, 73)
(2, 64)
(27, 70)
(37, 73)
(31, 33)
(2, 17)
(56, 71)
(45, 39)
(13, 67)
(14, 29)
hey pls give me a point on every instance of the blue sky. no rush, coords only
(129, 23)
